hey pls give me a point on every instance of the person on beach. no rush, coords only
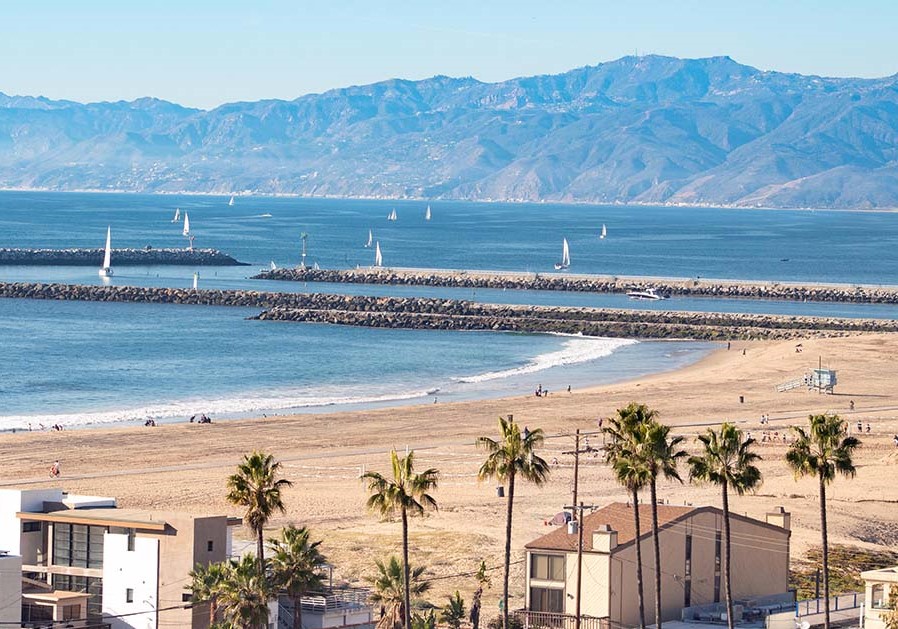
(54, 469)
(851, 405)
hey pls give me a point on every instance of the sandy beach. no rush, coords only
(184, 466)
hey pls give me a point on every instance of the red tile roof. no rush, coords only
(619, 516)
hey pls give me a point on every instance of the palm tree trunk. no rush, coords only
(260, 552)
(507, 549)
(407, 611)
(726, 556)
(639, 586)
(657, 546)
(297, 612)
(825, 553)
(213, 609)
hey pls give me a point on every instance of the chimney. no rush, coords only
(781, 518)
(604, 539)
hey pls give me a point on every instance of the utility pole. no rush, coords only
(577, 452)
(579, 509)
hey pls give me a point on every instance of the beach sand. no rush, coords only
(184, 466)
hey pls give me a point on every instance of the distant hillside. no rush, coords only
(639, 129)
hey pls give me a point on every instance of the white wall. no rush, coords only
(138, 570)
(13, 501)
(10, 590)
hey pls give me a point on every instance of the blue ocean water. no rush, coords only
(79, 363)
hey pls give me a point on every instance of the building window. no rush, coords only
(210, 546)
(186, 597)
(547, 600)
(717, 551)
(877, 596)
(547, 567)
(78, 545)
(89, 585)
(688, 567)
(687, 593)
(31, 527)
(132, 536)
(129, 595)
(717, 588)
(71, 612)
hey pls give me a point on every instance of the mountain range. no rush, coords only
(647, 129)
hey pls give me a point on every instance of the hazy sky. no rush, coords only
(202, 54)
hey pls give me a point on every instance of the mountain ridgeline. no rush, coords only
(637, 130)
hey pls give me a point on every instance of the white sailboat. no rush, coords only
(231, 201)
(427, 214)
(106, 269)
(273, 266)
(378, 259)
(392, 216)
(177, 216)
(604, 232)
(196, 280)
(186, 231)
(370, 240)
(565, 257)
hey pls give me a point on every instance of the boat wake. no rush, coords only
(577, 349)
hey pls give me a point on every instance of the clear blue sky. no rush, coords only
(202, 54)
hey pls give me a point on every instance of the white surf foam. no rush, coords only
(577, 349)
(183, 409)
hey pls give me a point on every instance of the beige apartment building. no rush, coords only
(691, 562)
(879, 588)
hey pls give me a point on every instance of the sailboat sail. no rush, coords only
(370, 240)
(427, 214)
(273, 266)
(231, 201)
(107, 257)
(177, 215)
(186, 224)
(378, 259)
(392, 216)
(604, 232)
(565, 254)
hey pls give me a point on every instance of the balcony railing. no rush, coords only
(553, 620)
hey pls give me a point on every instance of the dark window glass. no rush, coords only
(687, 593)
(547, 600)
(717, 588)
(547, 567)
(129, 595)
(209, 545)
(95, 546)
(688, 556)
(717, 550)
(31, 527)
(62, 544)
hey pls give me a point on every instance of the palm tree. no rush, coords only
(390, 591)
(660, 454)
(511, 456)
(623, 453)
(206, 585)
(406, 493)
(453, 612)
(726, 460)
(824, 450)
(295, 566)
(245, 594)
(256, 487)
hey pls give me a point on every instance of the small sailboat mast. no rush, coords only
(378, 258)
(106, 269)
(370, 240)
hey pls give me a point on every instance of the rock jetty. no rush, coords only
(452, 314)
(593, 284)
(120, 257)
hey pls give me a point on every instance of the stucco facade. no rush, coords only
(878, 594)
(692, 559)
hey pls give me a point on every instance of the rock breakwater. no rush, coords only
(593, 284)
(120, 257)
(450, 314)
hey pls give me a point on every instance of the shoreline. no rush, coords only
(542, 202)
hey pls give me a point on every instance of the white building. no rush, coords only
(83, 558)
(10, 589)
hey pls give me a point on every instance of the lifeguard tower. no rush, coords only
(819, 379)
(823, 380)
